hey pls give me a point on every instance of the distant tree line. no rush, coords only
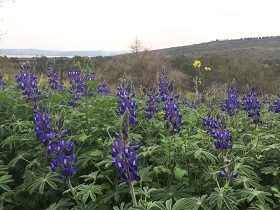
(144, 68)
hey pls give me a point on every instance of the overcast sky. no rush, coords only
(114, 24)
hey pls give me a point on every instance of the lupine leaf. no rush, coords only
(4, 180)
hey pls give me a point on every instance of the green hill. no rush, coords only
(264, 48)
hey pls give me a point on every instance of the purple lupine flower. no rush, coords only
(27, 82)
(228, 174)
(172, 116)
(78, 88)
(61, 148)
(217, 129)
(102, 89)
(53, 80)
(125, 155)
(210, 107)
(202, 98)
(251, 104)
(275, 107)
(2, 83)
(151, 108)
(126, 93)
(191, 105)
(43, 127)
(163, 85)
(231, 104)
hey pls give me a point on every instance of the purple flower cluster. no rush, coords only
(163, 85)
(125, 159)
(276, 105)
(228, 174)
(2, 83)
(192, 105)
(202, 98)
(151, 108)
(232, 104)
(54, 83)
(126, 93)
(27, 82)
(78, 88)
(217, 129)
(46, 135)
(62, 159)
(90, 76)
(172, 116)
(43, 127)
(102, 89)
(252, 105)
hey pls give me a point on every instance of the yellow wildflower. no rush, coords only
(207, 69)
(196, 64)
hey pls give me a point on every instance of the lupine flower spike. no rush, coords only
(126, 93)
(125, 155)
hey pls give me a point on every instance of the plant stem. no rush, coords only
(132, 192)
(68, 182)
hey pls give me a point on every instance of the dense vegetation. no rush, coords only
(82, 147)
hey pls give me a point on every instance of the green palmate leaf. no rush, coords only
(89, 191)
(108, 102)
(247, 182)
(143, 205)
(6, 197)
(145, 191)
(62, 204)
(245, 170)
(161, 168)
(21, 156)
(271, 170)
(4, 179)
(276, 190)
(251, 194)
(196, 203)
(92, 83)
(222, 198)
(3, 170)
(146, 174)
(197, 153)
(179, 173)
(58, 97)
(51, 179)
(89, 157)
(174, 191)
(17, 139)
(115, 193)
(92, 176)
(179, 205)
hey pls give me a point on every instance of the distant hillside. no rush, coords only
(264, 48)
(56, 53)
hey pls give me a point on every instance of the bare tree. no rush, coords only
(136, 46)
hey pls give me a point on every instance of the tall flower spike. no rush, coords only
(54, 83)
(126, 93)
(2, 82)
(251, 104)
(78, 88)
(124, 155)
(102, 89)
(232, 104)
(151, 108)
(43, 127)
(27, 82)
(163, 85)
(61, 148)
